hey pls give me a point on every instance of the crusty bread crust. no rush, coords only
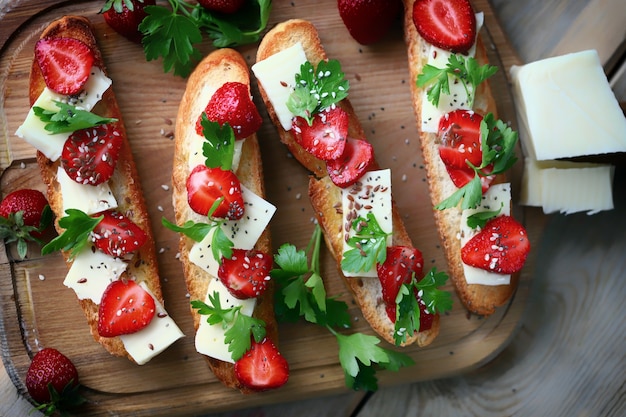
(479, 299)
(325, 196)
(222, 65)
(124, 184)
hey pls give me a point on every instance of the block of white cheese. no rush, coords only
(370, 194)
(277, 75)
(33, 131)
(155, 337)
(497, 197)
(457, 99)
(566, 108)
(88, 198)
(91, 273)
(210, 337)
(244, 232)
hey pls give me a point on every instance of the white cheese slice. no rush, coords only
(277, 75)
(197, 158)
(371, 194)
(88, 198)
(244, 232)
(498, 196)
(91, 272)
(33, 131)
(573, 190)
(457, 99)
(210, 337)
(567, 108)
(155, 337)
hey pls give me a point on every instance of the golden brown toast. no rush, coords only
(325, 196)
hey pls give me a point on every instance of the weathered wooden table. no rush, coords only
(562, 353)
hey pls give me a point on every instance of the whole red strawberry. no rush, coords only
(368, 20)
(222, 6)
(52, 381)
(124, 16)
(24, 216)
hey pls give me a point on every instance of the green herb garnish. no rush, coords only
(219, 145)
(78, 226)
(369, 245)
(240, 328)
(68, 118)
(466, 70)
(317, 89)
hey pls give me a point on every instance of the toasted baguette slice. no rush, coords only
(124, 184)
(479, 299)
(221, 66)
(325, 196)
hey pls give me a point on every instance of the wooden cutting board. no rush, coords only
(37, 311)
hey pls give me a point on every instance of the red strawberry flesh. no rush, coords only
(326, 137)
(246, 274)
(262, 367)
(447, 24)
(206, 185)
(117, 235)
(356, 160)
(65, 63)
(125, 308)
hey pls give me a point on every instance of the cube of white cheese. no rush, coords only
(566, 108)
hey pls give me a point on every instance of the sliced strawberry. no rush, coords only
(246, 273)
(459, 137)
(125, 308)
(326, 137)
(447, 24)
(461, 176)
(65, 63)
(124, 16)
(501, 246)
(262, 367)
(206, 185)
(232, 104)
(357, 159)
(89, 155)
(117, 235)
(368, 21)
(401, 263)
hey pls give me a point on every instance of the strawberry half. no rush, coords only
(500, 247)
(460, 144)
(401, 263)
(206, 185)
(357, 159)
(368, 21)
(262, 367)
(89, 155)
(326, 137)
(232, 104)
(52, 381)
(246, 273)
(65, 63)
(447, 24)
(124, 16)
(125, 308)
(117, 235)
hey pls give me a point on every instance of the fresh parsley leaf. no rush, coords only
(482, 217)
(172, 33)
(436, 300)
(68, 118)
(78, 227)
(470, 194)
(465, 70)
(13, 229)
(221, 245)
(194, 231)
(219, 144)
(239, 327)
(317, 89)
(369, 245)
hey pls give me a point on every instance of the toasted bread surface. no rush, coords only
(479, 299)
(219, 67)
(325, 197)
(125, 183)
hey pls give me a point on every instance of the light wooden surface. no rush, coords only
(568, 357)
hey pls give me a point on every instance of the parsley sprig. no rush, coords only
(240, 327)
(360, 355)
(13, 229)
(498, 142)
(466, 70)
(173, 33)
(219, 145)
(317, 89)
(68, 118)
(369, 245)
(407, 306)
(78, 226)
